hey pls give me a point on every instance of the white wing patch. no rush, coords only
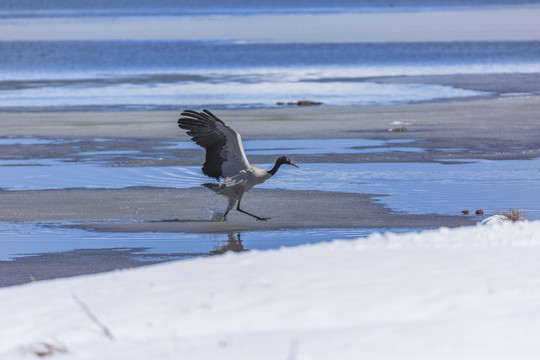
(233, 153)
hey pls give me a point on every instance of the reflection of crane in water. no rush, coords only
(225, 157)
(233, 244)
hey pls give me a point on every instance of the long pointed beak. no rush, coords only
(293, 164)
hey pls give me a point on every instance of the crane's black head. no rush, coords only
(280, 161)
(285, 160)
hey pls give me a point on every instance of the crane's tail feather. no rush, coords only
(214, 187)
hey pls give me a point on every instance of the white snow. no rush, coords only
(465, 293)
(495, 219)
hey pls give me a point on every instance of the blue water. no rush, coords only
(142, 74)
(85, 8)
(414, 188)
(177, 74)
(152, 58)
(19, 240)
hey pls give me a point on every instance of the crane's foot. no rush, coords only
(250, 214)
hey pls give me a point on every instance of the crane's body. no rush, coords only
(225, 158)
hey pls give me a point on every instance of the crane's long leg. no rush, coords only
(245, 212)
(232, 201)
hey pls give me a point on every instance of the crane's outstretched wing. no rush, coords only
(225, 156)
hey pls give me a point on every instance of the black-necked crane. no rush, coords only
(225, 158)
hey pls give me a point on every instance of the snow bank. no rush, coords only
(466, 293)
(495, 219)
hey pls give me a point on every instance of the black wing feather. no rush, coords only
(203, 131)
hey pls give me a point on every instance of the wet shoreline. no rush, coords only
(493, 127)
(446, 133)
(150, 209)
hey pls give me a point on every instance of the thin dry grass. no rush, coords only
(48, 349)
(515, 215)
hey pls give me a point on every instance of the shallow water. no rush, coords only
(423, 188)
(25, 239)
(312, 146)
(415, 188)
